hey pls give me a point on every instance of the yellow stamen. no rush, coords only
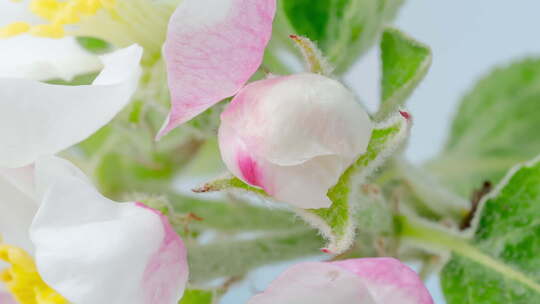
(59, 14)
(23, 280)
(14, 29)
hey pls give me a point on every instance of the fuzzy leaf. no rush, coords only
(502, 265)
(343, 29)
(495, 128)
(405, 62)
(337, 223)
(235, 257)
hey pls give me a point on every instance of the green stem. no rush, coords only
(432, 236)
(237, 257)
(432, 194)
(429, 235)
(237, 216)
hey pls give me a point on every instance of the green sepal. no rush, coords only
(405, 62)
(313, 57)
(337, 223)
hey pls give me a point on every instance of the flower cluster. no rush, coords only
(292, 136)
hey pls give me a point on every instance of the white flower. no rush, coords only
(356, 281)
(38, 119)
(87, 248)
(294, 136)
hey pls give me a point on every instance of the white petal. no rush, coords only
(44, 59)
(315, 283)
(93, 250)
(39, 119)
(17, 209)
(304, 185)
(288, 120)
(12, 11)
(22, 178)
(35, 58)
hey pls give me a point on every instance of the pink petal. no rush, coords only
(213, 47)
(167, 269)
(389, 280)
(356, 281)
(315, 283)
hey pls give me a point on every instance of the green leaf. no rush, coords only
(337, 223)
(405, 62)
(495, 128)
(343, 29)
(503, 264)
(197, 296)
(94, 45)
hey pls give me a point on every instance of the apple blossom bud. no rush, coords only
(294, 136)
(356, 281)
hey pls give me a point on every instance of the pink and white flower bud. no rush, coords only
(294, 136)
(356, 281)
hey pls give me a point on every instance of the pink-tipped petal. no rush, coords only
(389, 280)
(212, 49)
(294, 136)
(93, 250)
(356, 281)
(166, 274)
(315, 283)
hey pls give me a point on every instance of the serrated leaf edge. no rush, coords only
(496, 191)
